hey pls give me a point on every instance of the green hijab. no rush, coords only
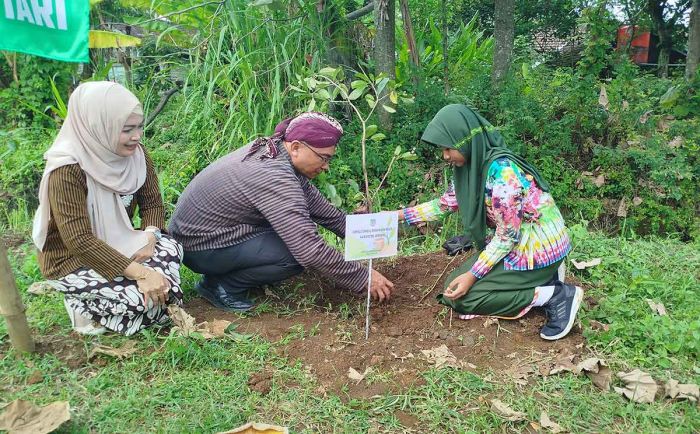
(456, 126)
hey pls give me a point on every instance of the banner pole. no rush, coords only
(369, 285)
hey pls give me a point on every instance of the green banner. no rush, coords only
(57, 29)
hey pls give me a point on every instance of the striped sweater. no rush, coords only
(232, 201)
(70, 243)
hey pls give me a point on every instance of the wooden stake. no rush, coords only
(11, 307)
(369, 285)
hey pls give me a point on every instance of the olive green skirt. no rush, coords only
(500, 292)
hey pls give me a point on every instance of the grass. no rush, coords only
(175, 384)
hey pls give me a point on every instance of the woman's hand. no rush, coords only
(146, 252)
(460, 286)
(154, 286)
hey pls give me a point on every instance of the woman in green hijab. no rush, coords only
(517, 268)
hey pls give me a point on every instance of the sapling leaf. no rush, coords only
(312, 105)
(394, 97)
(371, 129)
(328, 72)
(344, 88)
(359, 84)
(378, 137)
(407, 100)
(323, 94)
(311, 83)
(409, 156)
(382, 84)
(355, 94)
(389, 108)
(397, 151)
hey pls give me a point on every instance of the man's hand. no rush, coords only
(380, 286)
(146, 252)
(460, 286)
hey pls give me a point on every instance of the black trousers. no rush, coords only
(262, 260)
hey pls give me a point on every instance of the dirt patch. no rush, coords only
(68, 349)
(324, 328)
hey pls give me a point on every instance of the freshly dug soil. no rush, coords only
(324, 328)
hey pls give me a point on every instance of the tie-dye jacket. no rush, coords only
(529, 229)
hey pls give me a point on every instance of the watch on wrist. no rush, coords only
(156, 233)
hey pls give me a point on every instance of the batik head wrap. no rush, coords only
(317, 130)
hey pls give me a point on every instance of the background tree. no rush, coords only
(385, 48)
(691, 64)
(504, 33)
(665, 16)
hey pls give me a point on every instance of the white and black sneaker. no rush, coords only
(561, 311)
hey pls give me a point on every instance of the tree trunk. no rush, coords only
(11, 307)
(445, 50)
(691, 64)
(656, 10)
(410, 37)
(385, 50)
(504, 33)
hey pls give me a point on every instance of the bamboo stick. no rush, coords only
(12, 308)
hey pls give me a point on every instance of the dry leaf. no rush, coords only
(506, 412)
(546, 422)
(645, 117)
(39, 288)
(598, 371)
(639, 386)
(258, 428)
(657, 308)
(356, 376)
(625, 105)
(597, 325)
(269, 293)
(637, 201)
(564, 363)
(23, 417)
(676, 142)
(599, 181)
(582, 265)
(520, 374)
(441, 356)
(490, 321)
(603, 98)
(185, 324)
(665, 123)
(622, 208)
(674, 390)
(125, 350)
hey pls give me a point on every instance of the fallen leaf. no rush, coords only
(582, 265)
(637, 201)
(645, 117)
(125, 350)
(625, 105)
(506, 412)
(639, 386)
(665, 123)
(674, 390)
(603, 98)
(269, 293)
(676, 142)
(356, 376)
(579, 184)
(39, 288)
(536, 426)
(23, 417)
(657, 308)
(546, 422)
(564, 363)
(599, 181)
(257, 428)
(520, 374)
(597, 370)
(185, 324)
(490, 321)
(622, 208)
(597, 325)
(441, 356)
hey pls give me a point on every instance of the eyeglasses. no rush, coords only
(323, 157)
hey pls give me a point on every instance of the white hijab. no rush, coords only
(97, 112)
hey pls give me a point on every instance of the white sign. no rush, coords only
(370, 236)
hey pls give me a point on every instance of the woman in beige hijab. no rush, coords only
(97, 174)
